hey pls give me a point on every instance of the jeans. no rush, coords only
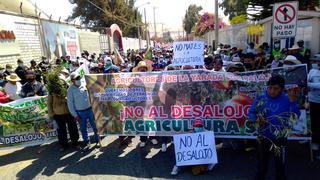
(84, 116)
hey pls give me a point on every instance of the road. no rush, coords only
(112, 162)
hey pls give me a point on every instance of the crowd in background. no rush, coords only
(27, 81)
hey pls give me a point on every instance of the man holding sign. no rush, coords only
(195, 149)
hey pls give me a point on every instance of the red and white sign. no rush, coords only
(285, 17)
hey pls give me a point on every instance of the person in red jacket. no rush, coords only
(4, 98)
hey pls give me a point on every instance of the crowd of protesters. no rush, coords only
(75, 106)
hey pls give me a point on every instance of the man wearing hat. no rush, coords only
(80, 108)
(21, 71)
(13, 87)
(314, 102)
(32, 87)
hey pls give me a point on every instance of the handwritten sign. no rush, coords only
(188, 53)
(195, 148)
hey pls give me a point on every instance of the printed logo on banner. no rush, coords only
(188, 53)
(195, 148)
(285, 19)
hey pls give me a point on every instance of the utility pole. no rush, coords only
(146, 28)
(154, 21)
(216, 24)
(162, 29)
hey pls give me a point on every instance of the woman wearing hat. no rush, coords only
(13, 87)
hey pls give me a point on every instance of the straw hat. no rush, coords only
(142, 64)
(13, 77)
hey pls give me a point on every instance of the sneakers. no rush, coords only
(163, 147)
(175, 170)
(142, 144)
(154, 141)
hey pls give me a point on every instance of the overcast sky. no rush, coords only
(168, 12)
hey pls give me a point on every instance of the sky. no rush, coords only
(168, 12)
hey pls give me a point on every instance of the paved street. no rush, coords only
(112, 162)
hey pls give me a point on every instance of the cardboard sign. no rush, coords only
(195, 148)
(285, 17)
(188, 53)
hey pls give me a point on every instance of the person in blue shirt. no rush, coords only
(272, 112)
(80, 108)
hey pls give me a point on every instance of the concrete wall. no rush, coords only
(28, 40)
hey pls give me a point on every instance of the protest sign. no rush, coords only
(82, 70)
(165, 103)
(25, 122)
(195, 148)
(188, 53)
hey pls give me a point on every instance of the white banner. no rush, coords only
(195, 148)
(188, 53)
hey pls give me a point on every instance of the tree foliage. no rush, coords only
(239, 19)
(234, 7)
(206, 23)
(191, 17)
(259, 9)
(121, 12)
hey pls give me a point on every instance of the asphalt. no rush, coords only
(112, 162)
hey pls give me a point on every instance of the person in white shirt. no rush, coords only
(13, 87)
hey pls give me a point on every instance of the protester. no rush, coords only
(198, 126)
(218, 65)
(4, 98)
(58, 111)
(80, 108)
(32, 87)
(2, 80)
(13, 87)
(8, 70)
(305, 52)
(271, 124)
(21, 71)
(36, 70)
(142, 66)
(314, 101)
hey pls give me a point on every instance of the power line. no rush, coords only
(114, 16)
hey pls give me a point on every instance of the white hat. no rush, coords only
(291, 59)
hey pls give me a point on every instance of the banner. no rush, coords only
(165, 103)
(188, 53)
(60, 40)
(195, 148)
(25, 122)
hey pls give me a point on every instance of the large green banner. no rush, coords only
(25, 122)
(166, 103)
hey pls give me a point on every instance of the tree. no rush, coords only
(259, 9)
(191, 18)
(239, 19)
(262, 8)
(121, 12)
(234, 7)
(206, 23)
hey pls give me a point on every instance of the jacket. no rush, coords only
(57, 106)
